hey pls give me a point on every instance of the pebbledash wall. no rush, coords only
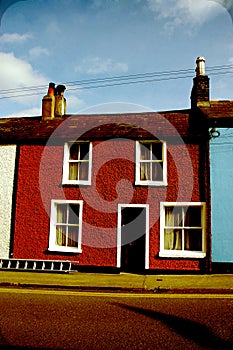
(7, 173)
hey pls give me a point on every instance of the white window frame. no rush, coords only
(53, 221)
(66, 161)
(138, 180)
(182, 253)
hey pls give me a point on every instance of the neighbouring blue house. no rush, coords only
(221, 170)
(219, 116)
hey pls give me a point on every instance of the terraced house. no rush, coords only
(125, 192)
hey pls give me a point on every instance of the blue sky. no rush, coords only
(66, 41)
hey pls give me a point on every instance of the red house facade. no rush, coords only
(128, 191)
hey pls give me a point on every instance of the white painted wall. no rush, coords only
(7, 170)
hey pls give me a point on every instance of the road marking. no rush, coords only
(115, 294)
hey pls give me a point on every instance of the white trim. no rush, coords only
(120, 206)
(182, 253)
(65, 177)
(138, 181)
(52, 234)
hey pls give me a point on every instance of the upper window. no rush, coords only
(77, 163)
(66, 226)
(182, 230)
(151, 167)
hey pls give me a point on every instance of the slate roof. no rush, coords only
(218, 113)
(185, 123)
(132, 125)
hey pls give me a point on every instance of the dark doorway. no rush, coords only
(133, 231)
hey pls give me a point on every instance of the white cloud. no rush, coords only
(183, 12)
(38, 51)
(14, 38)
(97, 65)
(73, 103)
(31, 112)
(226, 3)
(53, 27)
(115, 107)
(17, 73)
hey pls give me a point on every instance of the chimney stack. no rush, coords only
(60, 101)
(54, 103)
(200, 68)
(48, 103)
(200, 90)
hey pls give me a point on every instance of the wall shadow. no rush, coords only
(190, 330)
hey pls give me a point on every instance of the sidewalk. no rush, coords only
(124, 282)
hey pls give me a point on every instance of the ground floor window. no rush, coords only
(182, 230)
(65, 226)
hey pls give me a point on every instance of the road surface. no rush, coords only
(35, 319)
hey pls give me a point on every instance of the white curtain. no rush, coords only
(172, 235)
(60, 229)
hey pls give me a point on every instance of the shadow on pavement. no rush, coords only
(4, 345)
(188, 329)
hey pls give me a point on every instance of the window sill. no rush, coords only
(65, 249)
(182, 254)
(151, 183)
(77, 183)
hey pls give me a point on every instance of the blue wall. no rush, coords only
(221, 171)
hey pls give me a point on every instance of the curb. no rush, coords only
(117, 289)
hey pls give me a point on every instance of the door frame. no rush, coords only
(120, 207)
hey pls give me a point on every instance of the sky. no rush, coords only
(83, 44)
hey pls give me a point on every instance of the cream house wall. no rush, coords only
(7, 170)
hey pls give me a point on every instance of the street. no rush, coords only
(43, 319)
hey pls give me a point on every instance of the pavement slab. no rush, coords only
(121, 282)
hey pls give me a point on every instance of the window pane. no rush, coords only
(79, 161)
(157, 171)
(145, 171)
(83, 171)
(73, 171)
(173, 216)
(84, 151)
(173, 239)
(178, 216)
(73, 236)
(193, 240)
(157, 150)
(193, 217)
(60, 235)
(74, 214)
(145, 151)
(61, 213)
(74, 151)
